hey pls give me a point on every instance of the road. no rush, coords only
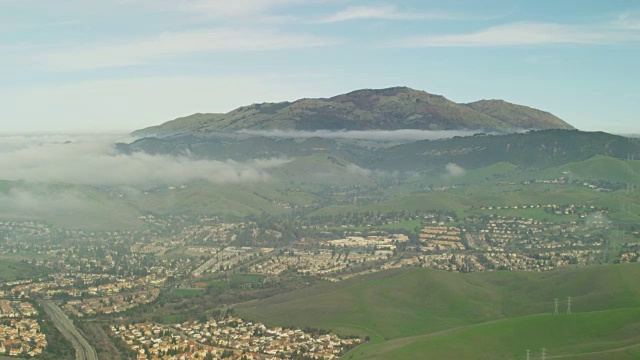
(84, 351)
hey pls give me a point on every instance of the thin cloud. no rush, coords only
(383, 12)
(629, 20)
(375, 135)
(357, 170)
(219, 8)
(177, 44)
(455, 170)
(43, 200)
(525, 33)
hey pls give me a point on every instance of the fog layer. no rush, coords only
(378, 135)
(93, 160)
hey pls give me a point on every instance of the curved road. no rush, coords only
(84, 351)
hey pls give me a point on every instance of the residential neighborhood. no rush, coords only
(230, 338)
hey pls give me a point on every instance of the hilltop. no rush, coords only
(384, 109)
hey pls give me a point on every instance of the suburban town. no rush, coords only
(19, 329)
(114, 275)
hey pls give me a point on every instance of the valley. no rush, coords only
(229, 243)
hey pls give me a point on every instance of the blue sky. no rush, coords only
(88, 65)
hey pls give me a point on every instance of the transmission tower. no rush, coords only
(543, 355)
(569, 305)
(555, 312)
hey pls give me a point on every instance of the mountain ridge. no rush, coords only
(366, 109)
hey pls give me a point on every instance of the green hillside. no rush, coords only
(236, 200)
(612, 334)
(534, 150)
(319, 184)
(399, 309)
(605, 168)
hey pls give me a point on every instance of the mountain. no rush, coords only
(385, 109)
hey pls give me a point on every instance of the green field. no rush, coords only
(246, 278)
(404, 312)
(15, 270)
(578, 335)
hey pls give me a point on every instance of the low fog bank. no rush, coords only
(375, 135)
(94, 160)
(43, 200)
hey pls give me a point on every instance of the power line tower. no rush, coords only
(543, 354)
(569, 305)
(555, 312)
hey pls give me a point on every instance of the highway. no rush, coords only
(84, 351)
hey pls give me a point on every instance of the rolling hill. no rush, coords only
(385, 109)
(418, 311)
(532, 150)
(535, 149)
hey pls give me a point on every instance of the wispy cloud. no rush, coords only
(628, 20)
(526, 33)
(218, 8)
(375, 135)
(383, 12)
(213, 9)
(170, 45)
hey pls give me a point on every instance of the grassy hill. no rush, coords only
(236, 200)
(612, 334)
(605, 168)
(306, 180)
(403, 311)
(534, 150)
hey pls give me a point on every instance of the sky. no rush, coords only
(120, 65)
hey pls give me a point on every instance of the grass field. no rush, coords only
(246, 278)
(15, 270)
(403, 310)
(561, 335)
(186, 292)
